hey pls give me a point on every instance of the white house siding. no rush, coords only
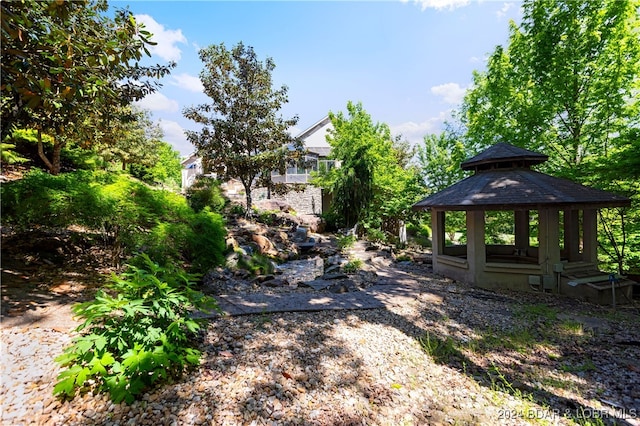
(191, 169)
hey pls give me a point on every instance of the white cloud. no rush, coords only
(440, 4)
(156, 101)
(166, 39)
(415, 132)
(174, 134)
(451, 93)
(187, 82)
(503, 11)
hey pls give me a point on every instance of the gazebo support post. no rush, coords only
(476, 248)
(549, 236)
(438, 230)
(590, 236)
(521, 224)
(572, 235)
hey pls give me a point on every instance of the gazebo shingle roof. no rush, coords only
(503, 152)
(517, 188)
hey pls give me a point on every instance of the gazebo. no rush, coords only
(553, 243)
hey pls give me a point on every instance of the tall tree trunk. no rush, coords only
(55, 164)
(247, 190)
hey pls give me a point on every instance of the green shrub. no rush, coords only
(267, 217)
(206, 192)
(40, 199)
(352, 266)
(257, 264)
(129, 215)
(166, 242)
(345, 241)
(376, 235)
(237, 210)
(333, 221)
(136, 335)
(9, 156)
(206, 240)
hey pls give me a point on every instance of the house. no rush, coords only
(311, 200)
(191, 169)
(554, 223)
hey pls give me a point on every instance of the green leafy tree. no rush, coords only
(66, 61)
(131, 138)
(396, 187)
(620, 173)
(566, 84)
(351, 140)
(242, 135)
(374, 184)
(439, 159)
(166, 170)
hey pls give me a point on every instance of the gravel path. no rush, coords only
(493, 358)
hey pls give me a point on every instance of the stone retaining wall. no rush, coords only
(308, 201)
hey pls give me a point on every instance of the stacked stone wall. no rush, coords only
(308, 201)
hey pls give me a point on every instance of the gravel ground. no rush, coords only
(491, 358)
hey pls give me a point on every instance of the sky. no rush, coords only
(408, 62)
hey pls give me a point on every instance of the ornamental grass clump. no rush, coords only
(137, 334)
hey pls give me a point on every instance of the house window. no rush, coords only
(326, 165)
(297, 172)
(303, 167)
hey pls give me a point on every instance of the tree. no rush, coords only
(166, 170)
(242, 136)
(65, 62)
(132, 139)
(375, 184)
(439, 159)
(566, 84)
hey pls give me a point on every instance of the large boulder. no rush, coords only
(314, 223)
(265, 246)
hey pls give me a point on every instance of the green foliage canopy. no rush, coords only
(65, 61)
(374, 184)
(566, 85)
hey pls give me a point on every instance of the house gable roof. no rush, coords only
(314, 128)
(190, 159)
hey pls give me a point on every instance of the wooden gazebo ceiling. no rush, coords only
(518, 189)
